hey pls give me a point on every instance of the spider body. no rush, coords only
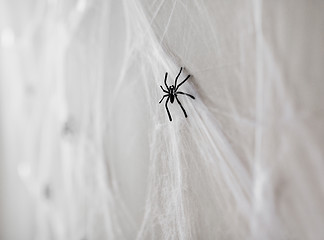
(172, 93)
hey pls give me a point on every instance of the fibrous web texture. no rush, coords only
(100, 158)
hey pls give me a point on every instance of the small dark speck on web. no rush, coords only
(69, 127)
(47, 191)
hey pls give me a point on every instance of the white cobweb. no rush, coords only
(80, 86)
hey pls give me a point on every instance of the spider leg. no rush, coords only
(185, 94)
(163, 97)
(175, 84)
(165, 78)
(184, 111)
(164, 90)
(166, 106)
(182, 82)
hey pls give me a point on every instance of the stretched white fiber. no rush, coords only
(80, 89)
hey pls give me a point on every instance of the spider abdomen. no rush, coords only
(171, 98)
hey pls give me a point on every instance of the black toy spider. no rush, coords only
(172, 92)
